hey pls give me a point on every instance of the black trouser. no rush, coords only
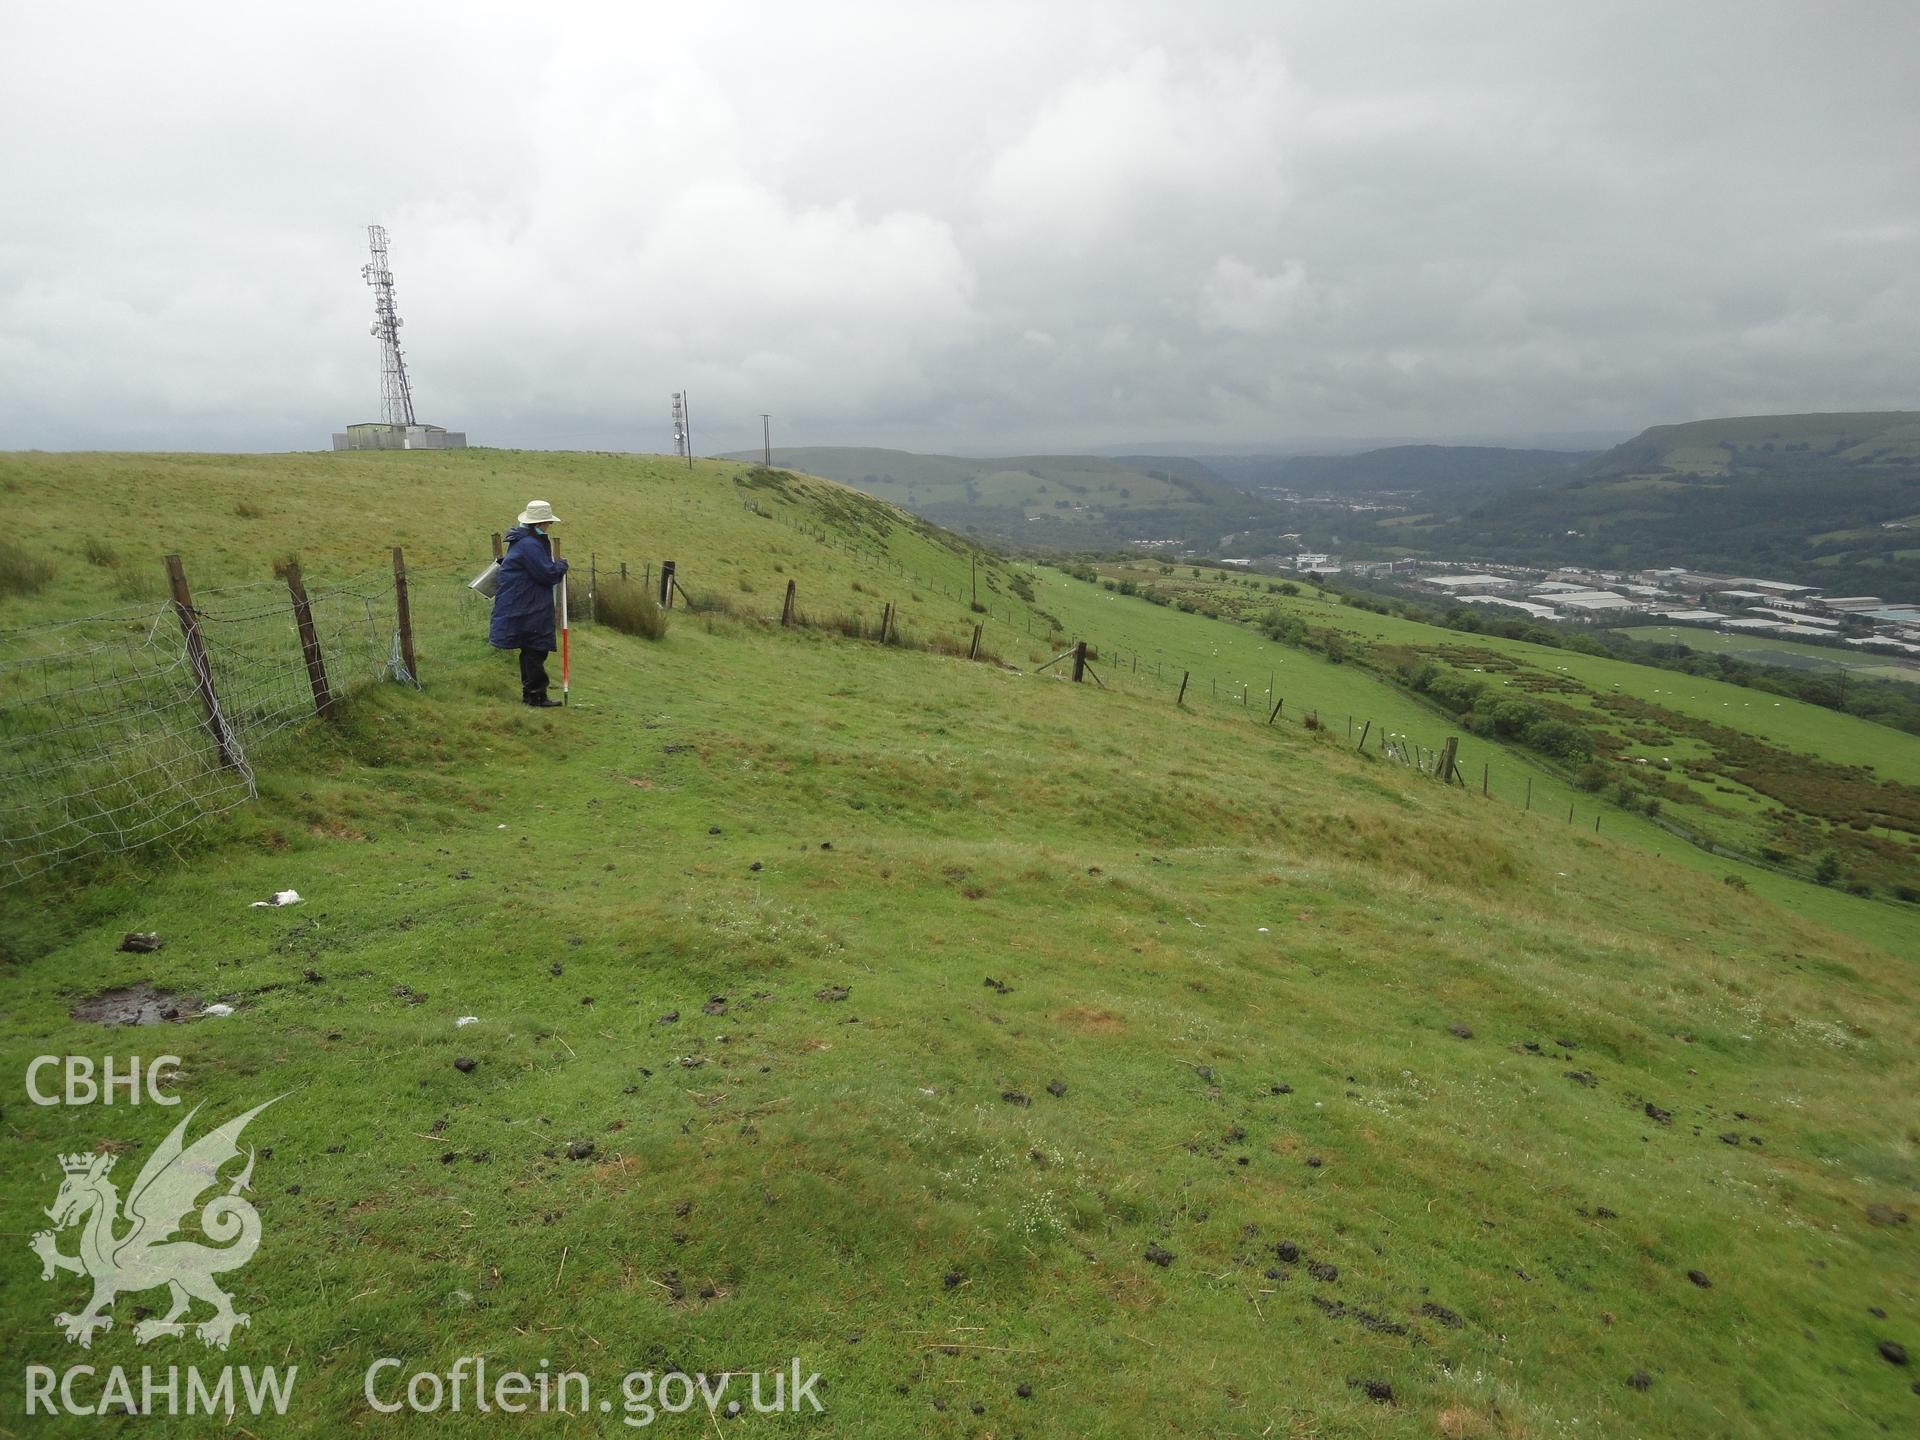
(533, 674)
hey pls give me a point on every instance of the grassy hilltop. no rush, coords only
(1039, 501)
(1028, 1058)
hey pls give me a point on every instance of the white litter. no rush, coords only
(277, 899)
(466, 1020)
(1263, 930)
(218, 1010)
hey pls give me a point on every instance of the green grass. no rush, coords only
(1740, 798)
(1775, 652)
(1187, 909)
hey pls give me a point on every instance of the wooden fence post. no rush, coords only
(973, 650)
(593, 586)
(666, 584)
(406, 614)
(1181, 698)
(309, 640)
(498, 553)
(1529, 804)
(223, 740)
(1569, 812)
(1447, 766)
(1079, 660)
(1276, 711)
(786, 610)
(1364, 729)
(1485, 770)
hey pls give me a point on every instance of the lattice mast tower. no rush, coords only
(396, 397)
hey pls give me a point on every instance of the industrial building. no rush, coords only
(379, 435)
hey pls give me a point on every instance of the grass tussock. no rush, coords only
(247, 510)
(98, 552)
(21, 570)
(629, 607)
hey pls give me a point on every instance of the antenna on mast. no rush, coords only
(396, 398)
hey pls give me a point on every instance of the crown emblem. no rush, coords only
(81, 1163)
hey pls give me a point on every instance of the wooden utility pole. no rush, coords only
(309, 640)
(223, 740)
(406, 614)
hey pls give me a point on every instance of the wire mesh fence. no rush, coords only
(121, 729)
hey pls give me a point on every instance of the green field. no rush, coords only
(1790, 653)
(1025, 1058)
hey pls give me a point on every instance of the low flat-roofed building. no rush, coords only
(1750, 597)
(1597, 602)
(1507, 602)
(1779, 587)
(1902, 646)
(1692, 617)
(1893, 615)
(1468, 582)
(1755, 627)
(1848, 603)
(1826, 624)
(1560, 587)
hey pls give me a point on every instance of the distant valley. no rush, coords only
(1829, 499)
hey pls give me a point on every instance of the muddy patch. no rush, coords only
(138, 1004)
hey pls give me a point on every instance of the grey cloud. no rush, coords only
(979, 226)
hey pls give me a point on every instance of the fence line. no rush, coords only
(120, 730)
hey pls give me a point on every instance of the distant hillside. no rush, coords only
(1048, 501)
(1431, 470)
(1768, 444)
(1829, 500)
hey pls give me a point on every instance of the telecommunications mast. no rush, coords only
(683, 427)
(396, 399)
(396, 429)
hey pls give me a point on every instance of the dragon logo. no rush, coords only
(146, 1256)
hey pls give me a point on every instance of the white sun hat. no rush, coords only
(538, 512)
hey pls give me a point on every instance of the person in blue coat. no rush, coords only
(523, 600)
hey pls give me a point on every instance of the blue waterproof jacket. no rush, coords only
(523, 602)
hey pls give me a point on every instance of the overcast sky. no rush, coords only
(971, 225)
